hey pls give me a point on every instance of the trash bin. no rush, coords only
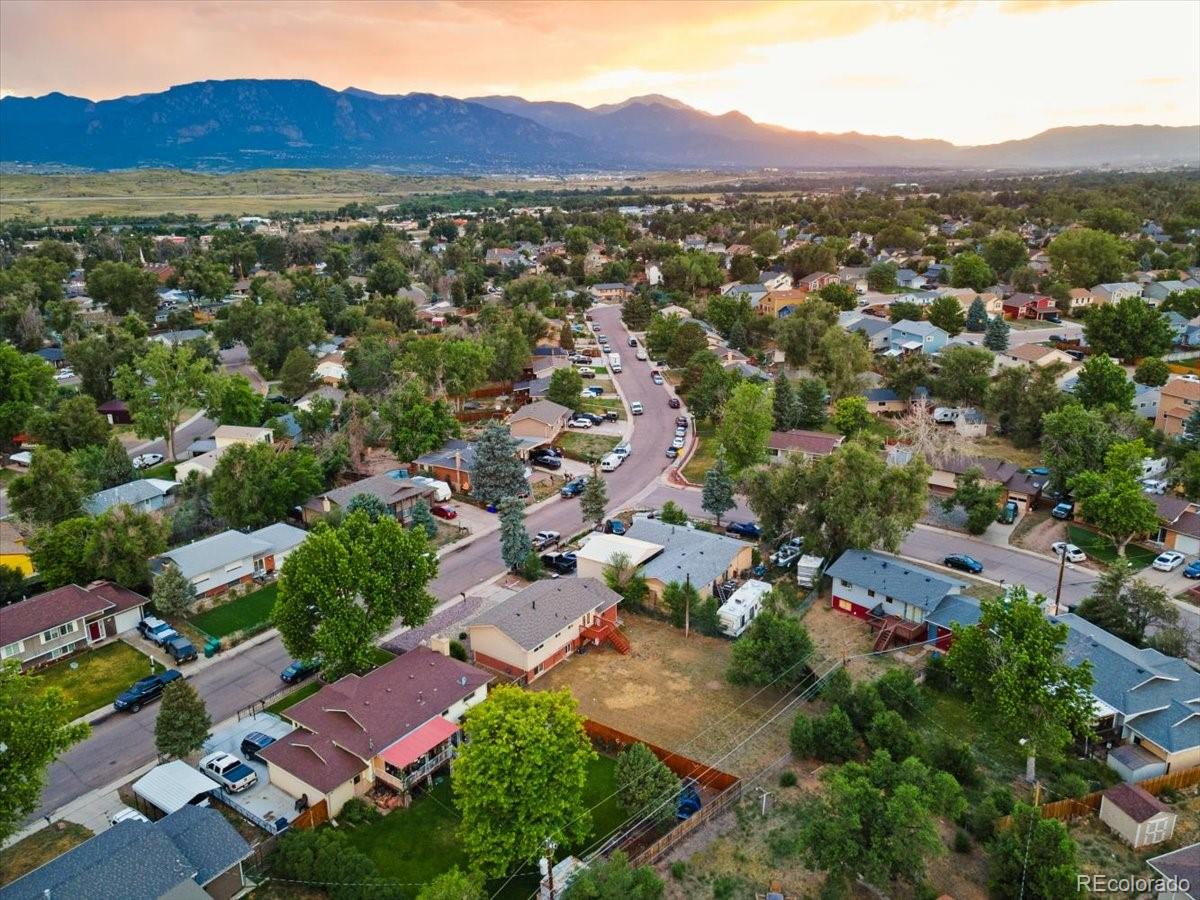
(211, 647)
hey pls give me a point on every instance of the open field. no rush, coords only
(97, 677)
(39, 848)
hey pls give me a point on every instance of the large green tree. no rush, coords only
(1112, 500)
(947, 314)
(566, 384)
(296, 373)
(519, 778)
(416, 423)
(614, 879)
(124, 288)
(978, 500)
(812, 405)
(646, 788)
(25, 382)
(772, 651)
(51, 491)
(963, 375)
(255, 484)
(183, 721)
(515, 543)
(497, 472)
(1033, 859)
(745, 429)
(1127, 330)
(1005, 251)
(1020, 396)
(841, 359)
(970, 270)
(72, 424)
(1074, 440)
(163, 383)
(121, 543)
(232, 400)
(799, 335)
(1083, 257)
(1128, 607)
(717, 495)
(1101, 382)
(995, 338)
(977, 317)
(104, 465)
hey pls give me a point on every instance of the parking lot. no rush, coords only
(264, 804)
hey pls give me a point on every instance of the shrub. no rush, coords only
(801, 736)
(531, 568)
(981, 819)
(357, 811)
(678, 869)
(834, 739)
(787, 779)
(888, 731)
(955, 757)
(962, 842)
(1073, 785)
(863, 705)
(458, 651)
(837, 687)
(899, 691)
(1003, 798)
(937, 674)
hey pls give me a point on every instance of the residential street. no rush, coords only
(198, 426)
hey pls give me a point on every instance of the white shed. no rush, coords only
(173, 786)
(743, 605)
(1136, 815)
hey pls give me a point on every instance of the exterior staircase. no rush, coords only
(618, 641)
(884, 638)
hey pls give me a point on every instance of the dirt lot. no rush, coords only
(839, 636)
(1040, 533)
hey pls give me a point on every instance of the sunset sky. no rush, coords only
(968, 72)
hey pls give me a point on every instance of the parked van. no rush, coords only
(611, 462)
(946, 415)
(614, 361)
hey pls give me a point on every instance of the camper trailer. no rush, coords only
(736, 613)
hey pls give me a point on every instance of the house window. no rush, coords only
(844, 604)
(357, 779)
(53, 634)
(10, 650)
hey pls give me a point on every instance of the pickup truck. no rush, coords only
(545, 539)
(156, 630)
(229, 772)
(560, 563)
(142, 692)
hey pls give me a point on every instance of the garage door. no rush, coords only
(1187, 545)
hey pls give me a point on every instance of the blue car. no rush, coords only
(573, 488)
(298, 670)
(1192, 570)
(1063, 510)
(744, 529)
(963, 563)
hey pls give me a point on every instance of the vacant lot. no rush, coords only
(838, 636)
(39, 848)
(587, 447)
(671, 691)
(704, 455)
(248, 613)
(93, 679)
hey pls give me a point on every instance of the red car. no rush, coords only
(444, 512)
(673, 403)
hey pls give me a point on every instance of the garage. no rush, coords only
(174, 785)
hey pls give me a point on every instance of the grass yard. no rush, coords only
(704, 455)
(1101, 548)
(99, 675)
(294, 697)
(162, 470)
(586, 447)
(243, 614)
(601, 405)
(39, 848)
(994, 446)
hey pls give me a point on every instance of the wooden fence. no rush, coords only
(614, 741)
(1078, 807)
(317, 814)
(655, 851)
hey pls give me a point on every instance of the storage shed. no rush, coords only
(1137, 816)
(174, 785)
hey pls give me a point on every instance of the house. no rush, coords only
(215, 564)
(175, 338)
(754, 293)
(689, 555)
(1177, 399)
(116, 412)
(778, 304)
(1079, 299)
(69, 618)
(1029, 306)
(1145, 400)
(530, 389)
(535, 629)
(1018, 484)
(992, 304)
(907, 278)
(1146, 699)
(681, 312)
(1180, 873)
(1033, 355)
(885, 402)
(192, 853)
(1179, 326)
(542, 419)
(399, 495)
(144, 495)
(331, 369)
(774, 281)
(908, 336)
(1116, 291)
(971, 424)
(906, 603)
(1158, 291)
(875, 329)
(394, 727)
(13, 552)
(334, 395)
(1179, 523)
(809, 444)
(228, 435)
(504, 256)
(597, 551)
(1136, 816)
(610, 292)
(654, 276)
(815, 281)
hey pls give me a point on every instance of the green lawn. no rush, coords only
(294, 697)
(601, 405)
(705, 454)
(586, 447)
(162, 470)
(99, 675)
(244, 613)
(1100, 548)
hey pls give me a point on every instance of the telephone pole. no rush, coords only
(1062, 564)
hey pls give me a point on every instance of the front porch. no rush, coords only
(891, 630)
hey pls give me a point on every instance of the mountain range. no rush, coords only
(246, 124)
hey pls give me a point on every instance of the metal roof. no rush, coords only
(130, 494)
(215, 552)
(172, 786)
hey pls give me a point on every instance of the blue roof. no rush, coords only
(955, 609)
(890, 576)
(909, 326)
(688, 553)
(881, 395)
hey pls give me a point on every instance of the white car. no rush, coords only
(64, 374)
(146, 460)
(229, 772)
(1168, 561)
(636, 407)
(622, 450)
(580, 423)
(1072, 553)
(1154, 486)
(680, 432)
(678, 442)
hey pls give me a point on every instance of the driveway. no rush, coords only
(198, 426)
(237, 360)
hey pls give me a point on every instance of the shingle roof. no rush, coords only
(1182, 865)
(453, 453)
(816, 443)
(955, 609)
(881, 395)
(687, 552)
(890, 576)
(388, 489)
(215, 552)
(33, 616)
(545, 411)
(129, 494)
(1135, 801)
(534, 615)
(910, 326)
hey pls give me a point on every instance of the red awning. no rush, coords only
(417, 743)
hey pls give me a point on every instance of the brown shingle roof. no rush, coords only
(1030, 352)
(388, 489)
(1135, 801)
(121, 598)
(815, 443)
(314, 759)
(33, 616)
(545, 411)
(1181, 389)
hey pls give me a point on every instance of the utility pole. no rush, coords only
(548, 865)
(687, 604)
(1062, 564)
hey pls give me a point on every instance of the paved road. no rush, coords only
(1018, 336)
(197, 427)
(237, 360)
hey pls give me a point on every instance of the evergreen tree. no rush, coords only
(645, 785)
(594, 498)
(421, 517)
(374, 507)
(497, 472)
(977, 317)
(785, 405)
(717, 496)
(811, 408)
(996, 336)
(1191, 428)
(183, 721)
(173, 594)
(515, 543)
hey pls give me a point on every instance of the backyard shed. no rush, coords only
(174, 785)
(1137, 816)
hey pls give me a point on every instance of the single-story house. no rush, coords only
(204, 464)
(1180, 872)
(1018, 484)
(814, 281)
(689, 555)
(907, 278)
(908, 336)
(116, 412)
(215, 564)
(1136, 816)
(144, 495)
(228, 435)
(885, 402)
(535, 629)
(69, 618)
(224, 437)
(399, 495)
(334, 395)
(13, 551)
(395, 726)
(451, 463)
(1178, 398)
(542, 419)
(874, 328)
(175, 338)
(596, 553)
(992, 303)
(1032, 355)
(1029, 306)
(754, 293)
(1179, 523)
(192, 853)
(778, 304)
(1116, 291)
(1145, 400)
(809, 444)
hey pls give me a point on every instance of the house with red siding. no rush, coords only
(537, 628)
(1029, 306)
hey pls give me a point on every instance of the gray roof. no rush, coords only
(545, 411)
(130, 494)
(534, 615)
(881, 395)
(179, 337)
(281, 536)
(909, 326)
(955, 609)
(452, 454)
(227, 548)
(869, 325)
(889, 576)
(136, 860)
(688, 553)
(388, 489)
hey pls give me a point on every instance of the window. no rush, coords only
(844, 604)
(10, 650)
(53, 634)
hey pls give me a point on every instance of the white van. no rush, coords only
(611, 462)
(946, 415)
(614, 361)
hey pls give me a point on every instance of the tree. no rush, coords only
(970, 270)
(255, 484)
(906, 310)
(164, 382)
(623, 577)
(232, 400)
(799, 334)
(904, 374)
(1074, 440)
(296, 373)
(1152, 372)
(124, 288)
(25, 382)
(343, 587)
(387, 277)
(183, 721)
(1083, 256)
(840, 295)
(745, 428)
(977, 317)
(121, 543)
(74, 423)
(35, 728)
(1127, 330)
(773, 649)
(1033, 859)
(594, 498)
(173, 594)
(56, 552)
(1112, 500)
(851, 415)
(105, 465)
(497, 472)
(1128, 607)
(370, 504)
(946, 313)
(1019, 397)
(645, 786)
(834, 739)
(51, 491)
(688, 610)
(882, 277)
(811, 403)
(614, 879)
(519, 778)
(672, 514)
(963, 375)
(809, 258)
(204, 276)
(636, 312)
(420, 516)
(995, 338)
(515, 543)
(980, 502)
(660, 335)
(841, 359)
(416, 423)
(717, 495)
(1102, 382)
(454, 884)
(1013, 667)
(783, 405)
(1187, 474)
(689, 338)
(566, 384)
(1005, 251)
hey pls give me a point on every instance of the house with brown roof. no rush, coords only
(809, 444)
(399, 495)
(814, 281)
(13, 551)
(395, 726)
(1033, 355)
(1177, 401)
(1179, 523)
(542, 419)
(1137, 816)
(1080, 299)
(67, 619)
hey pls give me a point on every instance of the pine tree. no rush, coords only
(497, 472)
(421, 517)
(594, 498)
(173, 594)
(785, 406)
(183, 721)
(811, 408)
(717, 496)
(977, 317)
(738, 338)
(996, 336)
(515, 543)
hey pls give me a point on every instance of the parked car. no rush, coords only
(593, 391)
(1070, 551)
(546, 461)
(1168, 560)
(560, 563)
(181, 649)
(545, 539)
(636, 407)
(623, 450)
(444, 512)
(146, 460)
(299, 669)
(656, 377)
(64, 374)
(580, 422)
(142, 692)
(681, 422)
(591, 417)
(788, 552)
(1192, 570)
(611, 415)
(1008, 513)
(573, 488)
(1063, 510)
(674, 403)
(614, 526)
(156, 631)
(587, 372)
(254, 742)
(744, 529)
(672, 453)
(633, 342)
(126, 814)
(229, 772)
(963, 563)
(611, 462)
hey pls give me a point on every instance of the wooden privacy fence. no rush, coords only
(614, 741)
(1078, 807)
(711, 810)
(317, 814)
